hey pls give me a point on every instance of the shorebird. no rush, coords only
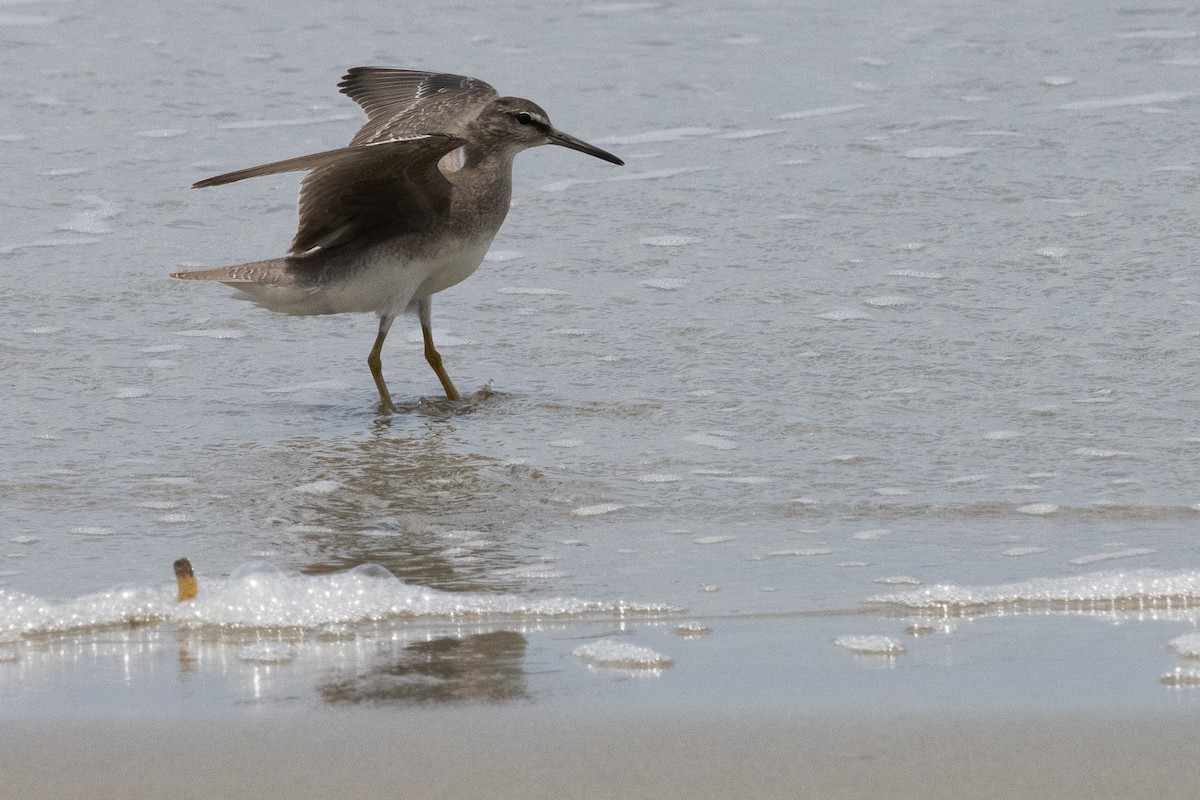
(406, 210)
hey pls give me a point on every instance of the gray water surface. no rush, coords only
(885, 292)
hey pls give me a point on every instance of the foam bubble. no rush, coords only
(597, 510)
(713, 539)
(871, 645)
(664, 284)
(1017, 552)
(621, 655)
(692, 630)
(708, 440)
(22, 614)
(916, 273)
(267, 653)
(658, 478)
(1095, 103)
(670, 240)
(749, 480)
(1112, 555)
(318, 487)
(93, 219)
(91, 530)
(259, 595)
(889, 301)
(1181, 676)
(1100, 452)
(1186, 646)
(1140, 588)
(824, 111)
(873, 533)
(843, 315)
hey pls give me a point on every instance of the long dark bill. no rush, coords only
(567, 140)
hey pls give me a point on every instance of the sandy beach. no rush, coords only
(525, 754)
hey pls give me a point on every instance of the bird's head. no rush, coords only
(518, 124)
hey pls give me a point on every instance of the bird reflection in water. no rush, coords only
(482, 668)
(407, 501)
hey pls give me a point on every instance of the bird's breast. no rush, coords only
(452, 264)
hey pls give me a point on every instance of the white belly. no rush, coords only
(379, 283)
(452, 270)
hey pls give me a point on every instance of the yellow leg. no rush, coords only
(375, 362)
(431, 354)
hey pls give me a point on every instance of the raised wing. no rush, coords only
(391, 186)
(402, 102)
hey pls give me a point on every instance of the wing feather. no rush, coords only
(407, 101)
(392, 185)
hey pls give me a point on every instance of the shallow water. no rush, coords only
(885, 298)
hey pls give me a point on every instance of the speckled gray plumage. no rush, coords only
(406, 210)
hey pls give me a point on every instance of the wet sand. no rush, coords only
(527, 753)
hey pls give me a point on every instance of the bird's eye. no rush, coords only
(524, 118)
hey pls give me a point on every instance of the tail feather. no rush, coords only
(272, 272)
